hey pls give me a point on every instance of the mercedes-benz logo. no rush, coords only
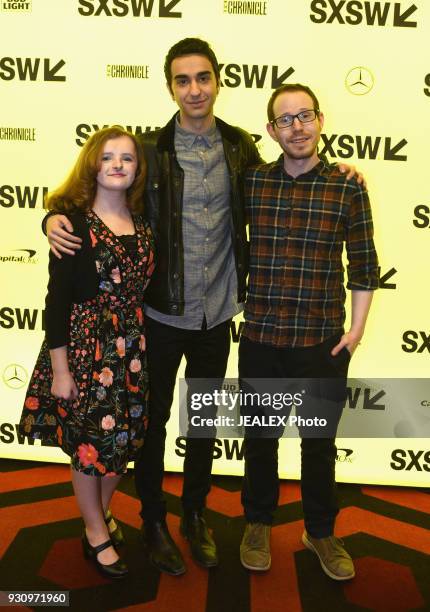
(15, 376)
(359, 81)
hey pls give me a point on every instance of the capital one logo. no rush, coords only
(380, 14)
(134, 8)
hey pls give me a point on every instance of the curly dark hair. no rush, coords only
(189, 46)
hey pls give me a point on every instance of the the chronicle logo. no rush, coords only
(31, 69)
(367, 13)
(346, 146)
(408, 460)
(127, 71)
(254, 75)
(19, 256)
(84, 131)
(22, 318)
(415, 341)
(134, 8)
(15, 376)
(422, 216)
(240, 7)
(22, 196)
(26, 134)
(16, 6)
(359, 81)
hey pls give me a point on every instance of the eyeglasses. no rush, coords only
(305, 116)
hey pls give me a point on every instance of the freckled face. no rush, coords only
(118, 164)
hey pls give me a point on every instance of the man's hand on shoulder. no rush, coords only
(60, 237)
(352, 172)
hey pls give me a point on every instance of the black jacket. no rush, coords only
(163, 209)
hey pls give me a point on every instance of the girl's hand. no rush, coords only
(64, 387)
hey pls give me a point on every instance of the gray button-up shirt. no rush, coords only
(210, 280)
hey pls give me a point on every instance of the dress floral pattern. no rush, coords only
(104, 427)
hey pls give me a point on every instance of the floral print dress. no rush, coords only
(104, 427)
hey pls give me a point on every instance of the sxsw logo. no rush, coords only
(22, 196)
(235, 331)
(230, 449)
(135, 8)
(9, 434)
(346, 146)
(255, 75)
(384, 278)
(31, 69)
(427, 82)
(410, 460)
(15, 6)
(367, 13)
(84, 131)
(368, 398)
(422, 216)
(22, 318)
(415, 342)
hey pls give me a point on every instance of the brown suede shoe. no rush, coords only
(334, 559)
(255, 547)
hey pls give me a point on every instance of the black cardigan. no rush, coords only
(73, 278)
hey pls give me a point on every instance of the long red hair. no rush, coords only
(78, 191)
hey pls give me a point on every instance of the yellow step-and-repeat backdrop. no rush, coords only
(69, 68)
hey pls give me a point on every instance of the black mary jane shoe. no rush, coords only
(116, 535)
(114, 570)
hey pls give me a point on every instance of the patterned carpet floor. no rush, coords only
(385, 529)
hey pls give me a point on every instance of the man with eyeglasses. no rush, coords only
(301, 212)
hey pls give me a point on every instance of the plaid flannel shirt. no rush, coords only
(298, 227)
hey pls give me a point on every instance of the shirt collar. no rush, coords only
(189, 139)
(319, 168)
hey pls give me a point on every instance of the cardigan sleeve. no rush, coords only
(72, 278)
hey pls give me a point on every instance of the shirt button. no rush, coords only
(176, 275)
(207, 239)
(205, 209)
(206, 268)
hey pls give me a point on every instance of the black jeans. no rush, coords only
(206, 352)
(260, 491)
